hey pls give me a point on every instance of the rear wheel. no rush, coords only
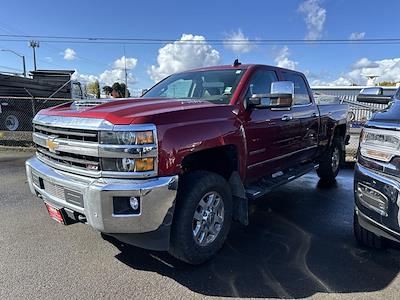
(202, 217)
(330, 164)
(365, 237)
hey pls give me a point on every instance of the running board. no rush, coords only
(268, 183)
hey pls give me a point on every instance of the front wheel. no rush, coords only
(330, 164)
(202, 217)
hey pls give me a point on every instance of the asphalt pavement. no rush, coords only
(299, 244)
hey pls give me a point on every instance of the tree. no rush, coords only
(121, 89)
(94, 88)
(125, 91)
(387, 83)
(107, 90)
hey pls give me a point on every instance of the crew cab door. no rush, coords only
(271, 134)
(306, 112)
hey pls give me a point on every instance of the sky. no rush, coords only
(202, 22)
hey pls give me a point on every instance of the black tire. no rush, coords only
(14, 121)
(365, 237)
(192, 188)
(328, 167)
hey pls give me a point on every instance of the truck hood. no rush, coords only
(388, 118)
(126, 111)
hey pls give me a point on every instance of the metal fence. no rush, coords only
(16, 114)
(359, 113)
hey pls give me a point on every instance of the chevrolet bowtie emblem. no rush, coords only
(51, 144)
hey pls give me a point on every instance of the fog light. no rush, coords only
(372, 199)
(126, 205)
(134, 202)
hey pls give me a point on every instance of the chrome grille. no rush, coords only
(68, 133)
(63, 193)
(54, 190)
(71, 159)
(79, 159)
(71, 144)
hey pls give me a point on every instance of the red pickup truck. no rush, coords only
(172, 169)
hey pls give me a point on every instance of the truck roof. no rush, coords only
(52, 72)
(239, 67)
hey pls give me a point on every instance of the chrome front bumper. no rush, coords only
(157, 198)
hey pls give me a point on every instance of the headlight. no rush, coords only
(126, 137)
(145, 164)
(379, 144)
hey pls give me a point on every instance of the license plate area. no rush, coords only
(56, 213)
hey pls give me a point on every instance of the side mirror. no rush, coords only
(281, 96)
(373, 95)
(376, 90)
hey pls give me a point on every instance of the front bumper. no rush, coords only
(157, 198)
(376, 227)
(383, 222)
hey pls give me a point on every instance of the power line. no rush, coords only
(271, 42)
(12, 31)
(139, 41)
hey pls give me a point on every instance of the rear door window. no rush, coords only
(260, 83)
(301, 96)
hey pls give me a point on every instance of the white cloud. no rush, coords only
(314, 16)
(48, 59)
(120, 63)
(69, 54)
(282, 59)
(84, 78)
(191, 51)
(110, 76)
(341, 81)
(238, 42)
(354, 36)
(364, 63)
(387, 70)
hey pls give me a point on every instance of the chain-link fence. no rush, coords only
(16, 114)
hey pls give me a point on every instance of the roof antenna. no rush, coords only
(236, 63)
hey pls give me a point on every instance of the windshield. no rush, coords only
(215, 86)
(397, 94)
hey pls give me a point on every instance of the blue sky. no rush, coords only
(205, 20)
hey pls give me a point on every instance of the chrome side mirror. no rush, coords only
(282, 87)
(281, 96)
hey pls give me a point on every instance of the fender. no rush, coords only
(178, 140)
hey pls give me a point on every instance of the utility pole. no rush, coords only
(34, 45)
(126, 75)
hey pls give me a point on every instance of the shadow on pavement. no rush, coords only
(299, 242)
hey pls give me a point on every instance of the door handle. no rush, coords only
(313, 115)
(287, 118)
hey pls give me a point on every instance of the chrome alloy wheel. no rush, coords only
(208, 219)
(335, 159)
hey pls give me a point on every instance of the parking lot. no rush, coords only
(299, 244)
